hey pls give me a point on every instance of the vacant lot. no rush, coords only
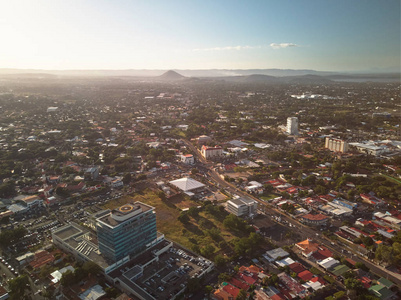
(181, 201)
(195, 233)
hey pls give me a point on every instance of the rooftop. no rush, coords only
(318, 217)
(125, 212)
(187, 184)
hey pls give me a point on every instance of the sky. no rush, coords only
(332, 35)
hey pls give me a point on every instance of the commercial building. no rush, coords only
(318, 219)
(80, 242)
(369, 148)
(292, 125)
(126, 230)
(336, 145)
(345, 203)
(211, 152)
(242, 207)
(32, 201)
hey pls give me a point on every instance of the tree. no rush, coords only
(7, 189)
(45, 271)
(207, 251)
(224, 277)
(193, 212)
(8, 237)
(208, 290)
(183, 218)
(127, 178)
(68, 278)
(91, 268)
(242, 295)
(162, 195)
(220, 261)
(18, 286)
(241, 246)
(353, 284)
(193, 284)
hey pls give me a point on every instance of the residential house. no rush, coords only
(188, 159)
(313, 250)
(91, 173)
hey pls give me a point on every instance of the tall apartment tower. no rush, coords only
(126, 230)
(292, 125)
(336, 145)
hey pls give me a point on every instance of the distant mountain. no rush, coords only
(235, 75)
(376, 77)
(307, 79)
(171, 75)
(266, 79)
(259, 78)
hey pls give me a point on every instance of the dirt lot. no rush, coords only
(181, 201)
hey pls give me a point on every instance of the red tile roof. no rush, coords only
(317, 278)
(297, 267)
(239, 284)
(322, 253)
(231, 290)
(318, 217)
(305, 275)
(247, 279)
(41, 258)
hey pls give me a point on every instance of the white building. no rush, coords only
(292, 125)
(188, 159)
(242, 207)
(32, 201)
(52, 109)
(369, 148)
(328, 263)
(336, 145)
(211, 152)
(188, 185)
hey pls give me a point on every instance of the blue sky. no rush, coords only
(322, 35)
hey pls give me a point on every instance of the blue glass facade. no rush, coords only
(128, 237)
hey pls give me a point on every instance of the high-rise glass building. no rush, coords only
(126, 230)
(292, 125)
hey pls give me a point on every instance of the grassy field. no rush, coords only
(268, 197)
(392, 178)
(189, 235)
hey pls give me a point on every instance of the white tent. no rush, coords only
(187, 184)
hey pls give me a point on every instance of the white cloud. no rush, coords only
(228, 48)
(283, 45)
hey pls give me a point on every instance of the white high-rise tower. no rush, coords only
(292, 125)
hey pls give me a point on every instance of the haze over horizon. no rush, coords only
(338, 36)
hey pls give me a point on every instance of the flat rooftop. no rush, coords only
(67, 232)
(83, 241)
(125, 212)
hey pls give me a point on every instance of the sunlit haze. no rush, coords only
(320, 35)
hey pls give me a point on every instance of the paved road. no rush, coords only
(304, 231)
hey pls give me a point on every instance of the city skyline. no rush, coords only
(324, 36)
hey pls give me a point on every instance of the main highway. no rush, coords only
(301, 229)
